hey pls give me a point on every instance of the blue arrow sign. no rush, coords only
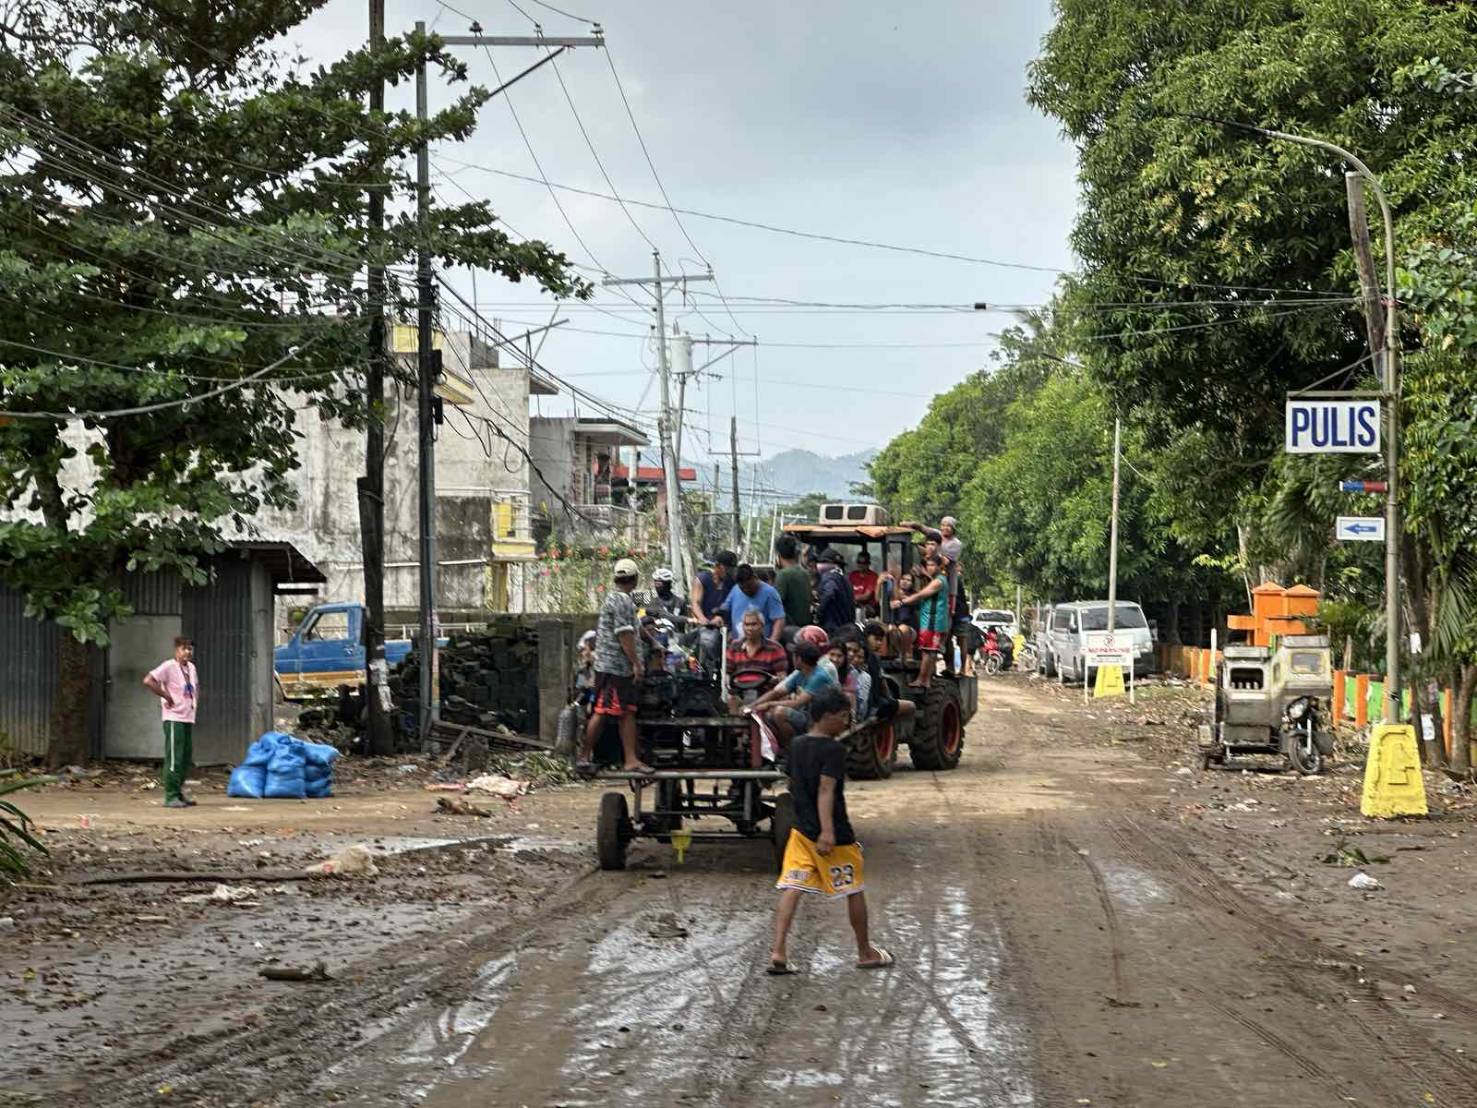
(1360, 529)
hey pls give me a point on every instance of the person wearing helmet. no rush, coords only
(618, 667)
(662, 601)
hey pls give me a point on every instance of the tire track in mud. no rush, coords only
(1443, 1078)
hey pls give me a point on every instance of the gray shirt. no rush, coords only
(617, 616)
(950, 549)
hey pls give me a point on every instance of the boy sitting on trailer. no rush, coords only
(822, 855)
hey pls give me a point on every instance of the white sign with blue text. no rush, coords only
(1360, 529)
(1333, 426)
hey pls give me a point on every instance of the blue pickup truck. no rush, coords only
(327, 650)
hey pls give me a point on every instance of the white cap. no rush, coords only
(626, 567)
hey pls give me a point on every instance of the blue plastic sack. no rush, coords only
(317, 754)
(285, 780)
(247, 781)
(261, 751)
(318, 789)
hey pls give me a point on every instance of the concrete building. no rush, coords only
(483, 497)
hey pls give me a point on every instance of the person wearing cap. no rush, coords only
(618, 666)
(751, 593)
(710, 589)
(835, 607)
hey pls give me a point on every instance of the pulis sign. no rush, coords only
(1333, 427)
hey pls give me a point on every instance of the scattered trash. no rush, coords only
(223, 894)
(446, 786)
(7, 922)
(352, 861)
(1183, 771)
(318, 971)
(665, 926)
(1345, 853)
(497, 784)
(1408, 990)
(409, 768)
(1362, 880)
(459, 806)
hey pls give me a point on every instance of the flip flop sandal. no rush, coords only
(643, 769)
(586, 770)
(884, 960)
(781, 969)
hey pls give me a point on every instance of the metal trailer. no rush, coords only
(709, 765)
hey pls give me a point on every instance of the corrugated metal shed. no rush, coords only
(28, 683)
(218, 617)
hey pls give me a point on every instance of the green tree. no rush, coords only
(184, 216)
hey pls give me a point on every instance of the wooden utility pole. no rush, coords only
(1369, 285)
(738, 527)
(378, 739)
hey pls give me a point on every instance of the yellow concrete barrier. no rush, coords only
(1393, 785)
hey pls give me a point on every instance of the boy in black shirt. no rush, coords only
(822, 855)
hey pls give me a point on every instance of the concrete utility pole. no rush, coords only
(1389, 396)
(666, 427)
(428, 363)
(372, 484)
(738, 528)
(426, 418)
(1112, 537)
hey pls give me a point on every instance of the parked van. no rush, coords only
(1062, 641)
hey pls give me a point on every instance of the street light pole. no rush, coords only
(1391, 398)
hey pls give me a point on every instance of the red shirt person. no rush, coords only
(863, 581)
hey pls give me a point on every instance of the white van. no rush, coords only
(1064, 639)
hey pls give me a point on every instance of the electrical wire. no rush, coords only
(144, 409)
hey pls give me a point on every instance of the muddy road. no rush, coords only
(1064, 936)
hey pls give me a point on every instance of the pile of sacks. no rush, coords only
(280, 766)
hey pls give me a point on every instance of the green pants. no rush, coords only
(178, 750)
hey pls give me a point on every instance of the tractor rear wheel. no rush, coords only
(871, 751)
(938, 734)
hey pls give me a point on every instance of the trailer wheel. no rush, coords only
(1304, 754)
(872, 752)
(781, 822)
(938, 734)
(613, 831)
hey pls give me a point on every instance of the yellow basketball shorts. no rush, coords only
(834, 875)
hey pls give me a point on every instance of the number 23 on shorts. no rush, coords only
(842, 876)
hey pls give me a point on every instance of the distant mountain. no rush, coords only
(792, 474)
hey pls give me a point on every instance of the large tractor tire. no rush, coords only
(938, 735)
(613, 831)
(871, 751)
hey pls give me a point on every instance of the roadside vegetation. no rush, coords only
(1216, 275)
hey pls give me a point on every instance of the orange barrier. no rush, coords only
(1338, 695)
(1361, 699)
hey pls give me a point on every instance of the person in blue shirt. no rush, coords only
(785, 705)
(750, 592)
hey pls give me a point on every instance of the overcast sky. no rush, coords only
(904, 124)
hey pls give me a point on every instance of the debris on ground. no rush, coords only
(497, 784)
(351, 861)
(1362, 880)
(222, 894)
(459, 806)
(1345, 853)
(318, 971)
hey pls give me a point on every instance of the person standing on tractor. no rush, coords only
(835, 607)
(899, 621)
(710, 589)
(618, 668)
(793, 583)
(932, 604)
(748, 593)
(950, 549)
(822, 855)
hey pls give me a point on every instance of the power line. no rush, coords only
(143, 409)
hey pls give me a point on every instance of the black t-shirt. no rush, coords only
(812, 757)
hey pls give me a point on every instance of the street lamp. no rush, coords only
(1390, 396)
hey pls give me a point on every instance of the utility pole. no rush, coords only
(1389, 398)
(1369, 284)
(666, 427)
(427, 358)
(426, 419)
(738, 529)
(372, 484)
(1113, 537)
